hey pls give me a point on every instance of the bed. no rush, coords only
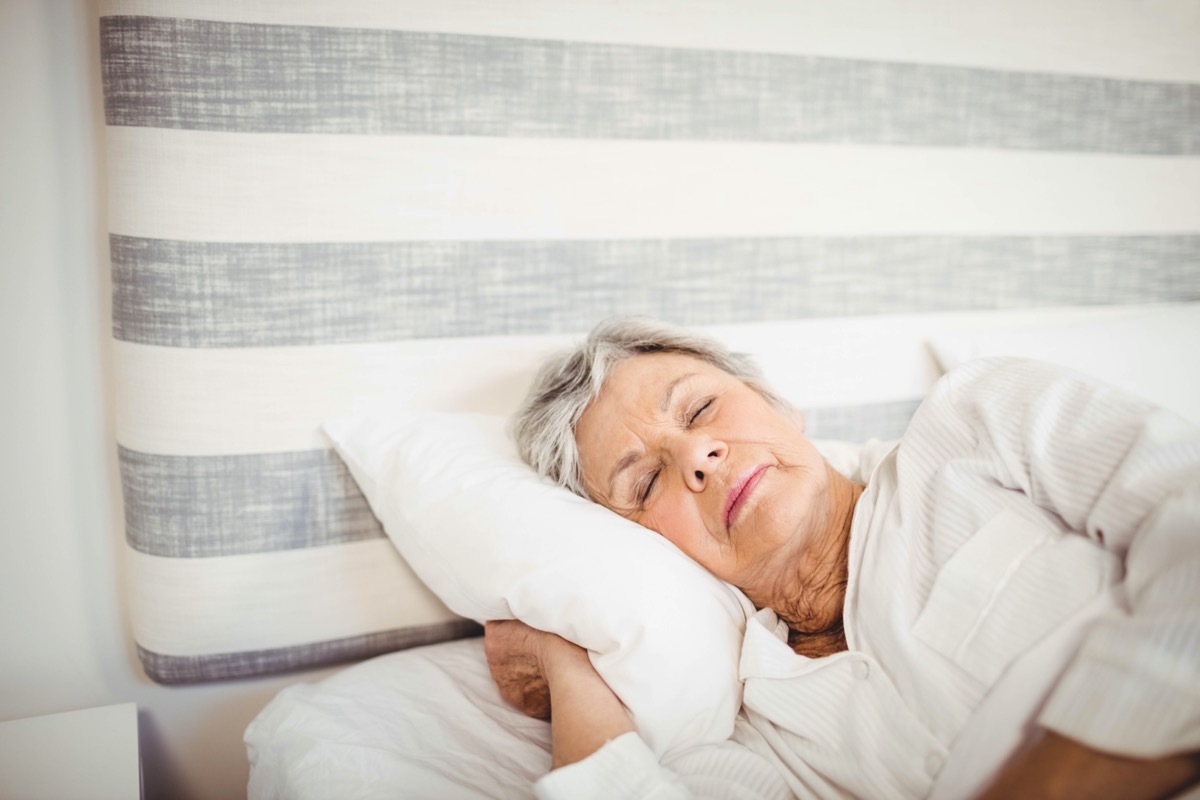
(328, 212)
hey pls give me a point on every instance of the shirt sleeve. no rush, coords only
(1127, 475)
(623, 768)
(626, 768)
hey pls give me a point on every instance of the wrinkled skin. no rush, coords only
(513, 651)
(694, 453)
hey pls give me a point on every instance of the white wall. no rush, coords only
(64, 635)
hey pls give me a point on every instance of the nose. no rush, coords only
(698, 455)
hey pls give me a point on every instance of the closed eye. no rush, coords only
(704, 406)
(649, 485)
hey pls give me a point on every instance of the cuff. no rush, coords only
(623, 768)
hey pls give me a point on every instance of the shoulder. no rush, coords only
(1005, 375)
(993, 393)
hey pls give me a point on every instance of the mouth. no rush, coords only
(740, 492)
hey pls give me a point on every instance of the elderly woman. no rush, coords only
(1006, 601)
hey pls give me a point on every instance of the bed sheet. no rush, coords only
(420, 723)
(429, 723)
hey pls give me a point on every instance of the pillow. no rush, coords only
(1148, 351)
(494, 541)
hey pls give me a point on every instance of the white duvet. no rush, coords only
(421, 723)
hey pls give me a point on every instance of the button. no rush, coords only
(933, 764)
(862, 670)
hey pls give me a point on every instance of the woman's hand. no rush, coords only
(515, 656)
(533, 668)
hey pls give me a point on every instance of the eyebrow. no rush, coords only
(631, 458)
(666, 400)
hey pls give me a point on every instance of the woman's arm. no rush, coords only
(1127, 476)
(594, 738)
(586, 712)
(548, 677)
(1058, 767)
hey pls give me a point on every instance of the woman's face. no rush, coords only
(688, 450)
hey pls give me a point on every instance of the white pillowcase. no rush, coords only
(494, 541)
(1148, 351)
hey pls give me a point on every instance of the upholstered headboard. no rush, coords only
(313, 201)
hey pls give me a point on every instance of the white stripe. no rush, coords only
(229, 604)
(182, 401)
(1123, 38)
(200, 185)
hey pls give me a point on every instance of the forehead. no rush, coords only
(638, 383)
(634, 392)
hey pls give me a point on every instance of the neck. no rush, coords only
(812, 596)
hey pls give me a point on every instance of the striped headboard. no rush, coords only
(305, 194)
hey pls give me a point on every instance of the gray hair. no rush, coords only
(568, 382)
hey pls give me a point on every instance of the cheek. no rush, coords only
(761, 425)
(678, 522)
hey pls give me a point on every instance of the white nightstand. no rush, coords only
(77, 755)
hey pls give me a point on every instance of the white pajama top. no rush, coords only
(1027, 556)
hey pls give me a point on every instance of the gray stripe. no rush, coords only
(207, 294)
(201, 75)
(199, 506)
(221, 666)
(858, 423)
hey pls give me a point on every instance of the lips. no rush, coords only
(741, 491)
